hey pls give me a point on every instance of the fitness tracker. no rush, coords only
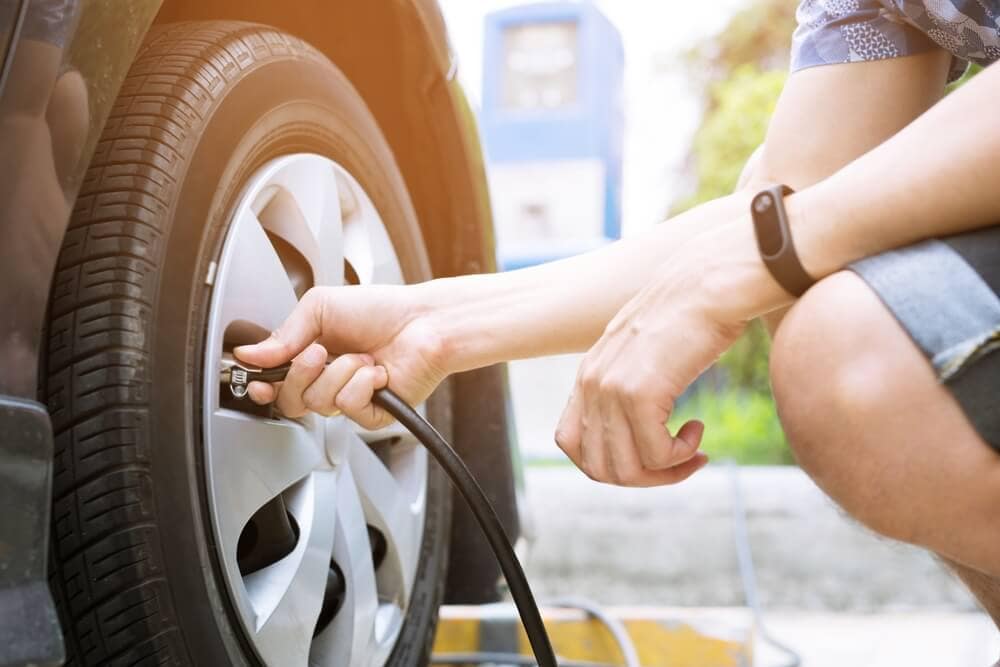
(774, 240)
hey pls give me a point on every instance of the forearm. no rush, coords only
(562, 306)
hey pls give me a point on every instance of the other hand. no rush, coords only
(614, 426)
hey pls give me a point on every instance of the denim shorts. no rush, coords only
(946, 294)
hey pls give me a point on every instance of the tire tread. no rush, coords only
(108, 572)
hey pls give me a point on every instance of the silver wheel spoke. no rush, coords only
(253, 283)
(368, 248)
(253, 461)
(302, 206)
(388, 508)
(348, 639)
(285, 634)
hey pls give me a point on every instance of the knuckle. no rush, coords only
(564, 440)
(352, 403)
(356, 361)
(314, 402)
(590, 380)
(345, 402)
(312, 302)
(311, 298)
(608, 385)
(633, 390)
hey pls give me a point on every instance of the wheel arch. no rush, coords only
(396, 54)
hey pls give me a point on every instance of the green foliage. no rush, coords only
(740, 108)
(742, 71)
(740, 425)
(759, 35)
(746, 362)
(972, 71)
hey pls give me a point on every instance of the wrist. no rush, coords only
(816, 216)
(456, 314)
(734, 281)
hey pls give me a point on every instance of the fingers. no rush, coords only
(263, 393)
(306, 368)
(347, 385)
(657, 449)
(594, 455)
(321, 395)
(624, 465)
(302, 327)
(569, 431)
(678, 473)
(355, 399)
(688, 440)
(620, 437)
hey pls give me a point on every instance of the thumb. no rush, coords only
(301, 328)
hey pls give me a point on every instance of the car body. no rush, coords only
(396, 55)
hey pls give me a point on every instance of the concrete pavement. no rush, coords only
(835, 591)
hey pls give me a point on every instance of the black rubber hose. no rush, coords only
(485, 515)
(466, 484)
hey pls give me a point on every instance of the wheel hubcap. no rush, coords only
(318, 523)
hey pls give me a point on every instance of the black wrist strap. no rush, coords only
(774, 240)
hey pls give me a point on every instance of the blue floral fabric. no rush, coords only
(844, 31)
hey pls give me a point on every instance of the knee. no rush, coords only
(823, 362)
(831, 375)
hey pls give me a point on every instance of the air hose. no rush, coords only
(238, 377)
(467, 485)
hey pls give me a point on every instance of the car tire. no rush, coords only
(137, 571)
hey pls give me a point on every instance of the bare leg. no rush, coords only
(869, 422)
(983, 586)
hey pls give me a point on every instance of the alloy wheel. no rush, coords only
(318, 523)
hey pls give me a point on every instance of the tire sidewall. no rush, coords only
(282, 107)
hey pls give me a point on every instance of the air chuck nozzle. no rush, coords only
(238, 377)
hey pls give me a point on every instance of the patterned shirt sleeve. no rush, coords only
(847, 31)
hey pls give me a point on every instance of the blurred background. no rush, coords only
(600, 119)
